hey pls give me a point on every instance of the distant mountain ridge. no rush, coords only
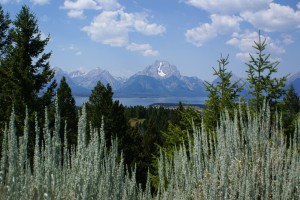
(161, 79)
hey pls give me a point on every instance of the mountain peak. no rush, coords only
(160, 70)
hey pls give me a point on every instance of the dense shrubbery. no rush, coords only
(247, 159)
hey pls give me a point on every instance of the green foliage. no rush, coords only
(290, 108)
(180, 128)
(263, 85)
(101, 106)
(4, 43)
(247, 164)
(90, 172)
(4, 36)
(221, 95)
(68, 111)
(25, 69)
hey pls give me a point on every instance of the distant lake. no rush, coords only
(148, 101)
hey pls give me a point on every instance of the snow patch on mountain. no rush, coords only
(160, 71)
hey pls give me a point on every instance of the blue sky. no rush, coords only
(124, 36)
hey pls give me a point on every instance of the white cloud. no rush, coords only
(276, 18)
(39, 2)
(80, 5)
(72, 48)
(244, 42)
(221, 24)
(145, 49)
(287, 39)
(76, 14)
(109, 27)
(228, 6)
(9, 1)
(142, 25)
(76, 8)
(113, 28)
(298, 5)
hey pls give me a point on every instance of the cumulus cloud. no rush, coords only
(228, 6)
(76, 14)
(145, 49)
(276, 18)
(244, 42)
(76, 8)
(39, 2)
(221, 24)
(113, 28)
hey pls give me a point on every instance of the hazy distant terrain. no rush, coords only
(161, 79)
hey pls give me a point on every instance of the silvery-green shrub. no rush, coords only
(249, 159)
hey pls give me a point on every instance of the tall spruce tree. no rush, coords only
(4, 36)
(102, 106)
(260, 71)
(4, 43)
(28, 74)
(221, 95)
(68, 111)
(290, 111)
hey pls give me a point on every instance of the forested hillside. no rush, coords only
(236, 148)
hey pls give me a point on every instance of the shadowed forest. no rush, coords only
(237, 147)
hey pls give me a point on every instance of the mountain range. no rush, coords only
(161, 79)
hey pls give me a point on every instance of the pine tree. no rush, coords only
(260, 71)
(68, 111)
(221, 95)
(290, 111)
(4, 76)
(100, 105)
(4, 36)
(29, 77)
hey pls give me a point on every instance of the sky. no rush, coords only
(125, 36)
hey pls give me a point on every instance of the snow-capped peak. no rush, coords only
(160, 71)
(77, 73)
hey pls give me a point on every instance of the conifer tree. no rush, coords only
(4, 43)
(28, 74)
(260, 71)
(100, 105)
(4, 36)
(221, 95)
(68, 111)
(290, 110)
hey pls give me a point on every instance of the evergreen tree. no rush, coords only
(290, 111)
(28, 74)
(4, 76)
(221, 95)
(68, 111)
(101, 105)
(260, 71)
(4, 36)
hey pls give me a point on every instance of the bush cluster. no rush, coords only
(246, 158)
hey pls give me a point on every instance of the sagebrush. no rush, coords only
(245, 158)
